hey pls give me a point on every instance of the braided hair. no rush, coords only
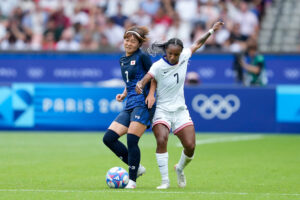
(160, 48)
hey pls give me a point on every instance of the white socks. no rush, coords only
(162, 161)
(184, 161)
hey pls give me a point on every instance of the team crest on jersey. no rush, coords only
(132, 62)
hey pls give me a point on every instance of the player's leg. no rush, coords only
(184, 130)
(161, 132)
(140, 119)
(187, 138)
(135, 131)
(118, 128)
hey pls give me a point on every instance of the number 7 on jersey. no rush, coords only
(176, 75)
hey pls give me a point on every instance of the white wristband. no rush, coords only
(211, 31)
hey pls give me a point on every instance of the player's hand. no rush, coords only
(150, 100)
(138, 88)
(218, 25)
(242, 63)
(120, 97)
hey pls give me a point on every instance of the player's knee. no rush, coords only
(109, 137)
(162, 141)
(190, 147)
(132, 140)
(106, 140)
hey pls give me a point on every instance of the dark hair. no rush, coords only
(252, 47)
(139, 32)
(158, 47)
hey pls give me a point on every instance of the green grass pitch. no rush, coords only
(73, 166)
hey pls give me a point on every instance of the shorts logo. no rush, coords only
(132, 62)
(216, 106)
(137, 116)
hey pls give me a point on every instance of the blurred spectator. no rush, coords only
(114, 33)
(119, 18)
(157, 32)
(192, 78)
(49, 5)
(186, 9)
(104, 45)
(247, 20)
(236, 42)
(7, 6)
(50, 27)
(16, 37)
(130, 7)
(141, 18)
(61, 21)
(209, 12)
(67, 43)
(87, 42)
(49, 43)
(150, 6)
(161, 17)
(198, 30)
(179, 30)
(32, 24)
(80, 17)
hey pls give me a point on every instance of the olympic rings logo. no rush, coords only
(216, 106)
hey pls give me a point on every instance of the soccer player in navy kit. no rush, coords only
(137, 115)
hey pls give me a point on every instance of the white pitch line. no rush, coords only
(226, 139)
(147, 192)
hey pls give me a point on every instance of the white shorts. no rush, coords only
(176, 120)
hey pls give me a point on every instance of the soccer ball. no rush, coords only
(117, 177)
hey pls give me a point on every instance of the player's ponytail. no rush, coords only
(160, 48)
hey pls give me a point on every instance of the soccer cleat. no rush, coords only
(181, 181)
(141, 171)
(131, 185)
(163, 186)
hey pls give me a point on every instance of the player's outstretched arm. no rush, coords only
(150, 100)
(203, 39)
(141, 84)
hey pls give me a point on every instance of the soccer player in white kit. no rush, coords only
(171, 111)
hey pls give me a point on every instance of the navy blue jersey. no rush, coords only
(133, 69)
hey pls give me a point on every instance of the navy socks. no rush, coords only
(110, 139)
(134, 155)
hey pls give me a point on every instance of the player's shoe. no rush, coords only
(141, 171)
(163, 186)
(181, 180)
(131, 185)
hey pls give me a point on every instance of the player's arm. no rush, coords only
(251, 68)
(142, 83)
(198, 43)
(150, 100)
(121, 97)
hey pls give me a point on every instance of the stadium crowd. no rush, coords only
(98, 25)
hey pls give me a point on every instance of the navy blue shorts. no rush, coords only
(137, 114)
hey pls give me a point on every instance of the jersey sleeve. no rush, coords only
(146, 61)
(186, 53)
(154, 70)
(259, 61)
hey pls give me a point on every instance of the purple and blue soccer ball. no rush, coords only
(117, 177)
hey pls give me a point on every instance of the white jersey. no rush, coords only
(170, 82)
